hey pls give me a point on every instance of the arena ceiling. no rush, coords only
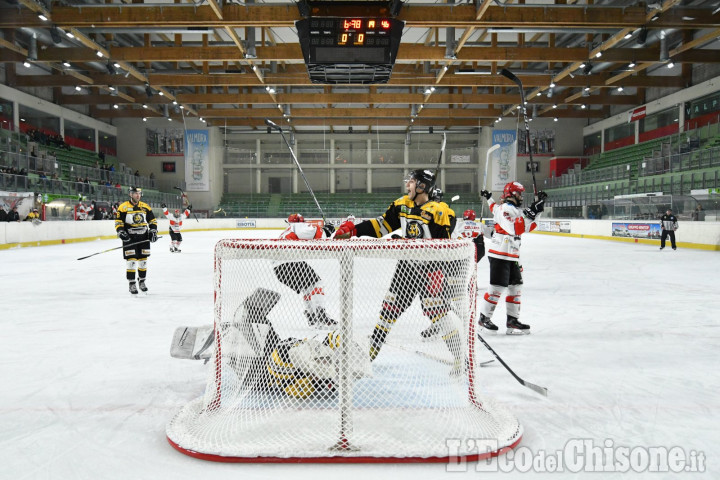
(122, 59)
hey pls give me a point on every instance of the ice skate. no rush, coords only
(133, 288)
(430, 333)
(514, 327)
(142, 286)
(319, 318)
(172, 249)
(486, 323)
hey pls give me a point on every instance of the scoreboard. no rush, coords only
(349, 40)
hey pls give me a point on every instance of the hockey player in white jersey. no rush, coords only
(176, 221)
(468, 228)
(300, 276)
(504, 255)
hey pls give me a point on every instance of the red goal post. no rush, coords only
(282, 390)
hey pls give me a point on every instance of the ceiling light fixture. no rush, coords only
(631, 65)
(77, 88)
(42, 17)
(99, 54)
(66, 63)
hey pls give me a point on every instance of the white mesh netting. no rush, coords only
(322, 351)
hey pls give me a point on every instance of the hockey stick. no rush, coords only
(531, 386)
(277, 127)
(436, 358)
(511, 76)
(116, 248)
(487, 162)
(442, 150)
(182, 193)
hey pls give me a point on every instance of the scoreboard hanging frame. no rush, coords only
(354, 49)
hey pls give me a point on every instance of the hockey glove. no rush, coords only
(328, 229)
(189, 207)
(479, 242)
(162, 205)
(530, 213)
(485, 194)
(123, 235)
(153, 236)
(346, 230)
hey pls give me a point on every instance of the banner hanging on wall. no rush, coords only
(504, 159)
(197, 161)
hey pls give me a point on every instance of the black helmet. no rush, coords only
(135, 190)
(425, 179)
(436, 194)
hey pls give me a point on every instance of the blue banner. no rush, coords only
(504, 158)
(197, 161)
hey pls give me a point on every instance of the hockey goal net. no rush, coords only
(366, 382)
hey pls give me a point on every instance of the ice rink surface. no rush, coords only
(624, 336)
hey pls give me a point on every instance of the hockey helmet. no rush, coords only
(425, 179)
(295, 218)
(350, 218)
(135, 190)
(469, 215)
(513, 189)
(177, 212)
(436, 194)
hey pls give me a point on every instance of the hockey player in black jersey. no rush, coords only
(135, 223)
(417, 217)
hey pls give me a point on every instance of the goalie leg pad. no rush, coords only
(257, 306)
(512, 300)
(192, 343)
(298, 276)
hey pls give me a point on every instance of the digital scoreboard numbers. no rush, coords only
(350, 41)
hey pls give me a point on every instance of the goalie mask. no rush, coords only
(295, 218)
(469, 215)
(177, 212)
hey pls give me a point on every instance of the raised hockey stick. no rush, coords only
(277, 127)
(116, 248)
(541, 390)
(442, 151)
(182, 193)
(511, 76)
(487, 163)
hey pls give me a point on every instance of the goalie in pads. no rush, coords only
(260, 360)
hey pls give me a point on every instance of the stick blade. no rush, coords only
(508, 74)
(541, 390)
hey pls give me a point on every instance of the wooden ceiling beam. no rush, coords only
(291, 53)
(274, 15)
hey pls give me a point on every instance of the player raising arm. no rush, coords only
(176, 221)
(504, 255)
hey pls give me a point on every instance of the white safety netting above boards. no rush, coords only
(355, 350)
